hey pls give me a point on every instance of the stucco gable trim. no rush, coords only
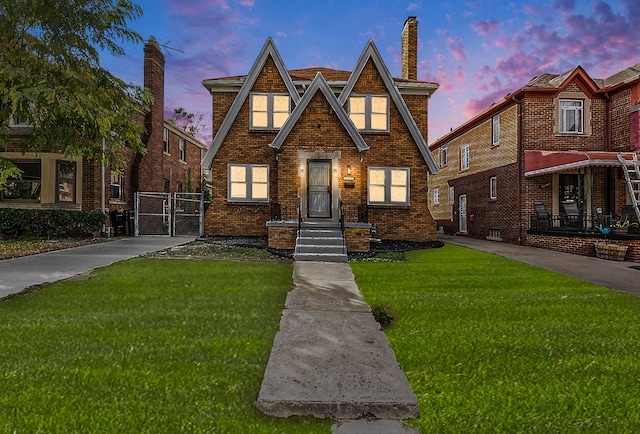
(371, 52)
(268, 50)
(319, 84)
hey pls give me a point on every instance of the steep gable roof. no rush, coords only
(319, 84)
(268, 50)
(371, 52)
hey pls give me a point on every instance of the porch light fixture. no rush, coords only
(349, 178)
(349, 170)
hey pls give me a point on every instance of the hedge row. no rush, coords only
(41, 223)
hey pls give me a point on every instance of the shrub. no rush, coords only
(41, 223)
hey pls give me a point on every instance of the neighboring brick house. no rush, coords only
(52, 180)
(554, 142)
(326, 141)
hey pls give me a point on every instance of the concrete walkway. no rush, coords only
(331, 359)
(18, 274)
(610, 274)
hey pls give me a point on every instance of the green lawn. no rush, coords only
(147, 345)
(490, 345)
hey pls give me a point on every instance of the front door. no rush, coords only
(319, 190)
(462, 213)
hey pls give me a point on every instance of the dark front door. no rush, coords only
(319, 193)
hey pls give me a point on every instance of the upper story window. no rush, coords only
(388, 186)
(369, 112)
(495, 130)
(269, 111)
(493, 187)
(248, 183)
(571, 116)
(165, 140)
(436, 196)
(452, 195)
(28, 186)
(464, 157)
(444, 155)
(183, 150)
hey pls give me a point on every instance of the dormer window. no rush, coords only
(269, 111)
(571, 116)
(369, 112)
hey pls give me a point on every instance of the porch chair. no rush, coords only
(570, 215)
(543, 219)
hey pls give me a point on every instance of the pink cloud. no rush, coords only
(486, 27)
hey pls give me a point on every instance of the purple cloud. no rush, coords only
(486, 27)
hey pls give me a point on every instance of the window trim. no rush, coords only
(436, 196)
(249, 183)
(452, 195)
(495, 130)
(562, 115)
(387, 186)
(165, 141)
(465, 163)
(368, 111)
(270, 110)
(444, 155)
(493, 187)
(182, 148)
(74, 180)
(120, 185)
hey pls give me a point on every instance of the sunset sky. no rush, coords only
(478, 51)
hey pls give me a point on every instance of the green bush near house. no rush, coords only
(491, 345)
(46, 223)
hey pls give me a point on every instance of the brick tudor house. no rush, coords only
(554, 144)
(52, 180)
(317, 144)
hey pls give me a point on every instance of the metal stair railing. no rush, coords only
(633, 184)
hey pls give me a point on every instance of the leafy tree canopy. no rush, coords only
(50, 76)
(191, 123)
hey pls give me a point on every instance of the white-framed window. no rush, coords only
(116, 186)
(464, 157)
(444, 155)
(571, 115)
(183, 150)
(452, 195)
(165, 140)
(495, 129)
(388, 186)
(436, 196)
(493, 187)
(248, 183)
(269, 111)
(369, 112)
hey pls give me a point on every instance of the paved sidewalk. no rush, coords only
(610, 274)
(18, 274)
(330, 357)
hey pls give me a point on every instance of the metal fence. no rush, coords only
(159, 214)
(188, 215)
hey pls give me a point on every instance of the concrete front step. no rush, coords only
(322, 244)
(319, 241)
(337, 249)
(321, 257)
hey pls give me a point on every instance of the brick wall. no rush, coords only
(583, 246)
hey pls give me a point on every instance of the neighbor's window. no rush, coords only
(269, 111)
(571, 111)
(117, 186)
(165, 140)
(248, 182)
(28, 186)
(436, 196)
(464, 157)
(166, 186)
(183, 150)
(369, 112)
(493, 187)
(66, 171)
(452, 195)
(444, 157)
(388, 185)
(495, 130)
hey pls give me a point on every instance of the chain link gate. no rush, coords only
(188, 216)
(158, 214)
(153, 213)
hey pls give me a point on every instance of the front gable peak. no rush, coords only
(268, 51)
(579, 76)
(319, 84)
(370, 52)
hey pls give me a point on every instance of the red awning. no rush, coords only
(543, 162)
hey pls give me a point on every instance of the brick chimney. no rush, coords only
(410, 49)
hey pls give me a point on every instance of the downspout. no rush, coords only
(609, 139)
(103, 205)
(520, 151)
